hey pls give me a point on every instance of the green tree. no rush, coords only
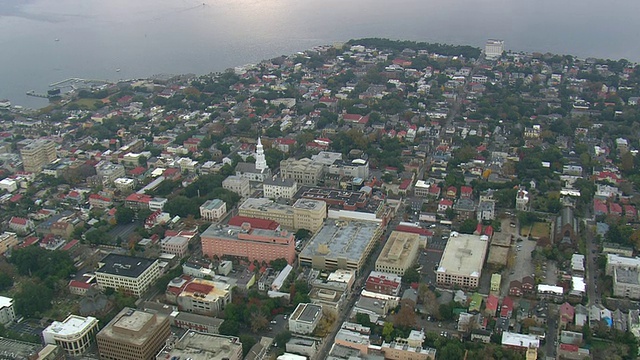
(33, 299)
(468, 226)
(142, 160)
(247, 343)
(282, 338)
(387, 331)
(278, 264)
(124, 215)
(243, 125)
(6, 281)
(411, 275)
(229, 328)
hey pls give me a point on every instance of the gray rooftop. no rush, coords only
(129, 266)
(627, 275)
(198, 346)
(279, 182)
(342, 239)
(306, 312)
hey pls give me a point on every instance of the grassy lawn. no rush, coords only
(540, 229)
(85, 103)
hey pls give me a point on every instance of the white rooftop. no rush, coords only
(550, 289)
(5, 302)
(464, 255)
(520, 340)
(578, 284)
(73, 324)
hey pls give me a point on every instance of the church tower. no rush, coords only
(261, 162)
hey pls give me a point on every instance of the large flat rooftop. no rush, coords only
(264, 205)
(129, 266)
(306, 312)
(629, 276)
(341, 239)
(198, 346)
(236, 232)
(397, 251)
(342, 197)
(132, 326)
(464, 255)
(71, 325)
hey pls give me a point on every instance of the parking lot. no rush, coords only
(430, 258)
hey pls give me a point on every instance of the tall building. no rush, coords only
(198, 346)
(462, 261)
(37, 153)
(74, 335)
(493, 49)
(304, 171)
(399, 253)
(303, 214)
(237, 184)
(341, 244)
(7, 312)
(247, 242)
(132, 275)
(133, 335)
(261, 161)
(7, 241)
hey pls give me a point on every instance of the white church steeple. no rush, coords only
(261, 162)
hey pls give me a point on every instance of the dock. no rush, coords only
(35, 94)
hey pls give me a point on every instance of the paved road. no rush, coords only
(591, 267)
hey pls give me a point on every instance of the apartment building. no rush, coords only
(133, 275)
(36, 154)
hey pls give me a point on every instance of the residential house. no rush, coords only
(21, 225)
(566, 314)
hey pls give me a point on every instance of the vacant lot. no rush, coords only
(537, 230)
(540, 229)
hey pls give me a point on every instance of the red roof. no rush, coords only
(70, 244)
(492, 303)
(405, 184)
(615, 208)
(569, 347)
(29, 241)
(507, 307)
(488, 230)
(479, 228)
(79, 284)
(446, 202)
(599, 206)
(466, 190)
(255, 223)
(414, 230)
(18, 221)
(15, 198)
(198, 288)
(138, 198)
(138, 171)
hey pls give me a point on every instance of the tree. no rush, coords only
(142, 160)
(278, 264)
(363, 319)
(48, 266)
(387, 331)
(6, 281)
(282, 338)
(247, 343)
(33, 299)
(411, 275)
(258, 322)
(124, 215)
(468, 226)
(450, 213)
(229, 328)
(243, 125)
(406, 317)
(303, 234)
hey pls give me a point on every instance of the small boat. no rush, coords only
(117, 70)
(57, 39)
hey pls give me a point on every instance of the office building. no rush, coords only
(303, 214)
(198, 346)
(7, 241)
(304, 171)
(132, 275)
(74, 335)
(626, 282)
(133, 335)
(238, 185)
(108, 172)
(213, 210)
(278, 188)
(249, 243)
(36, 154)
(384, 283)
(493, 49)
(462, 261)
(7, 312)
(200, 296)
(176, 245)
(399, 253)
(341, 244)
(305, 318)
